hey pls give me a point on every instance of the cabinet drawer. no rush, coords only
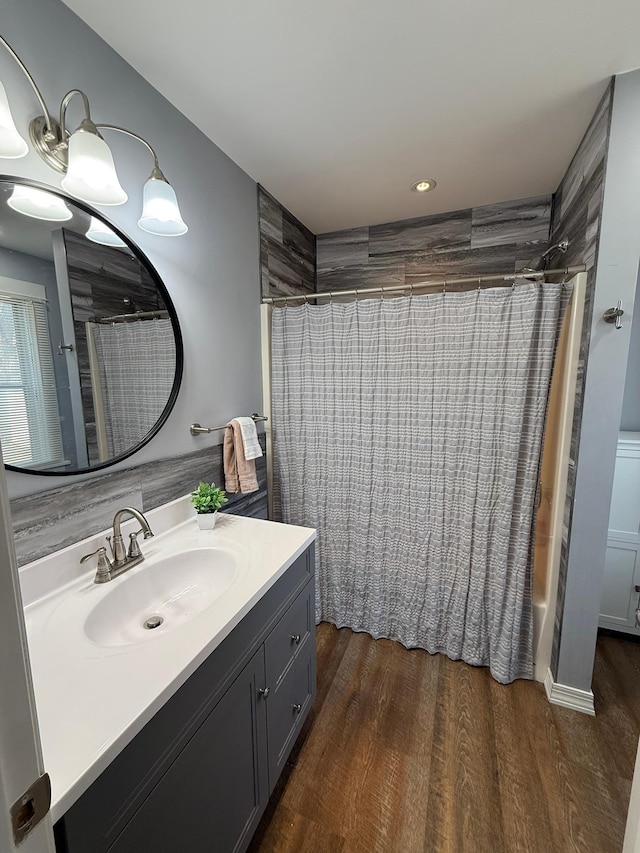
(289, 636)
(287, 709)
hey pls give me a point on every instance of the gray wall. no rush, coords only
(631, 405)
(616, 277)
(211, 273)
(500, 237)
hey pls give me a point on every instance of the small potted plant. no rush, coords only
(207, 499)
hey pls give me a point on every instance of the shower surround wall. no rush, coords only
(577, 214)
(287, 250)
(501, 237)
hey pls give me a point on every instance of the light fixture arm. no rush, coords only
(64, 133)
(156, 164)
(48, 121)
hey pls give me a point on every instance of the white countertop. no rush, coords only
(92, 700)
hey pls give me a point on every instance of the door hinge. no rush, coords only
(33, 805)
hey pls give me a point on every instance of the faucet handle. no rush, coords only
(134, 547)
(103, 572)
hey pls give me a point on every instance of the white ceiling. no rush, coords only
(337, 106)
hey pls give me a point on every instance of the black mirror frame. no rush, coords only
(175, 388)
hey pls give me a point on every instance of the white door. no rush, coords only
(20, 753)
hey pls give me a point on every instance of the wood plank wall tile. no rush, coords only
(577, 211)
(498, 238)
(287, 250)
(67, 514)
(444, 230)
(520, 221)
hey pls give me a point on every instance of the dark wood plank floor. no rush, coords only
(404, 752)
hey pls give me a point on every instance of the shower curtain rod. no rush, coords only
(443, 283)
(159, 314)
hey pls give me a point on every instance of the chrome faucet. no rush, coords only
(122, 561)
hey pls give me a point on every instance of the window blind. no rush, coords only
(29, 417)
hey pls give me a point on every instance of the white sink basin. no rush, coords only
(154, 598)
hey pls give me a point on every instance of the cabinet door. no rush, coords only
(213, 795)
(619, 598)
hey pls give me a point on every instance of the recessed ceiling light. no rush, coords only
(423, 185)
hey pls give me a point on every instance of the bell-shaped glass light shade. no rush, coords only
(38, 204)
(12, 145)
(91, 174)
(160, 211)
(99, 232)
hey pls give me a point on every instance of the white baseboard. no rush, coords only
(569, 697)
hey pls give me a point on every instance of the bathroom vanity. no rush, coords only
(176, 741)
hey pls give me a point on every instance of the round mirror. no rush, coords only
(90, 347)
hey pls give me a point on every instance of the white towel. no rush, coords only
(252, 449)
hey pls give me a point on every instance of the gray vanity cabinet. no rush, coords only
(213, 792)
(200, 773)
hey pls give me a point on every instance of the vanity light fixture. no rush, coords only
(99, 232)
(38, 204)
(424, 185)
(86, 160)
(160, 212)
(12, 145)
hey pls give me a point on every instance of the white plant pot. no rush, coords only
(206, 520)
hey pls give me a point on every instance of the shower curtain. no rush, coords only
(137, 365)
(408, 432)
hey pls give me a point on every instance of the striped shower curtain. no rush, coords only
(137, 366)
(408, 431)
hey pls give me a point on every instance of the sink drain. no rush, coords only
(153, 622)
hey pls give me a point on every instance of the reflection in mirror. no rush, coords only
(90, 349)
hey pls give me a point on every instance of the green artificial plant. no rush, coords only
(208, 498)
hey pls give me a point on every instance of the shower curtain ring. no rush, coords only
(479, 282)
(444, 285)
